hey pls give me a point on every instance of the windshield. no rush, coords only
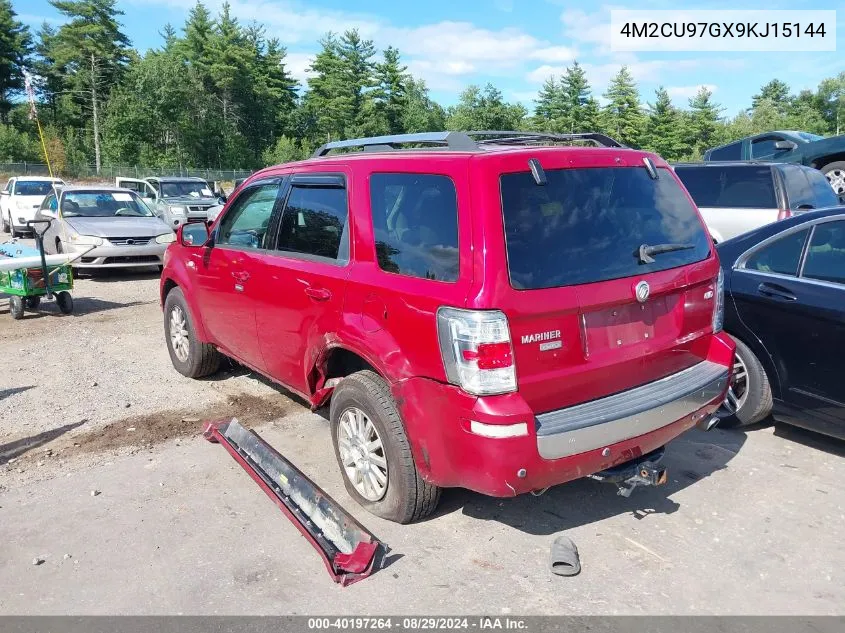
(186, 188)
(103, 204)
(809, 137)
(588, 225)
(33, 188)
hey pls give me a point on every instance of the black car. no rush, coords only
(785, 307)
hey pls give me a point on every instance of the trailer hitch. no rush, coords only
(349, 551)
(642, 471)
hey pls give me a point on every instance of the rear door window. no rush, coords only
(415, 223)
(782, 256)
(587, 225)
(728, 152)
(734, 186)
(826, 255)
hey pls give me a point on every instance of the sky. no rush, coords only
(514, 44)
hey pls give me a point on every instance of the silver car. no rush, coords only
(111, 227)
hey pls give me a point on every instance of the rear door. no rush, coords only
(733, 199)
(790, 291)
(301, 278)
(228, 282)
(572, 268)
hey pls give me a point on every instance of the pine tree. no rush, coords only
(357, 55)
(15, 49)
(421, 113)
(92, 52)
(390, 94)
(168, 34)
(549, 108)
(704, 118)
(199, 28)
(485, 109)
(575, 92)
(776, 92)
(622, 116)
(664, 132)
(327, 109)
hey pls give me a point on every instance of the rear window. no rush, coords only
(33, 188)
(738, 187)
(823, 193)
(587, 225)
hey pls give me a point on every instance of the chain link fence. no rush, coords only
(108, 173)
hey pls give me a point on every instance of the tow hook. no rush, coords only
(644, 471)
(648, 475)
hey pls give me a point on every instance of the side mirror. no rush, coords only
(785, 145)
(4, 192)
(194, 234)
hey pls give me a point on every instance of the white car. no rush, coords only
(21, 198)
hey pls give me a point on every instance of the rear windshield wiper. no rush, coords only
(645, 251)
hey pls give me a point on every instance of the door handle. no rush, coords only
(775, 291)
(318, 294)
(240, 275)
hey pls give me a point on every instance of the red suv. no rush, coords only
(496, 312)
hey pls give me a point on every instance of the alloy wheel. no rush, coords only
(362, 454)
(179, 339)
(738, 389)
(836, 178)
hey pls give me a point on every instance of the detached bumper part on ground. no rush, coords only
(347, 548)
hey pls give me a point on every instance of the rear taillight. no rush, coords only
(719, 303)
(476, 350)
(784, 213)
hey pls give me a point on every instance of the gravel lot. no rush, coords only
(749, 523)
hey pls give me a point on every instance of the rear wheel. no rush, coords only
(835, 174)
(190, 356)
(749, 398)
(373, 451)
(16, 307)
(32, 303)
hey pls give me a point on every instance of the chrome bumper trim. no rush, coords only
(631, 413)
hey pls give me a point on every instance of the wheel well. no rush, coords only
(341, 362)
(832, 158)
(168, 286)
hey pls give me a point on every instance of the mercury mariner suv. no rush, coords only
(496, 311)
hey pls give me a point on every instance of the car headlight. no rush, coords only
(178, 210)
(166, 238)
(86, 240)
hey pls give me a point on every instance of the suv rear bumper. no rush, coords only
(559, 446)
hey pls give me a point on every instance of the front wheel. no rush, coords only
(6, 224)
(16, 307)
(373, 451)
(835, 174)
(749, 398)
(190, 356)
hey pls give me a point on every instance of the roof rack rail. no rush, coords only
(462, 141)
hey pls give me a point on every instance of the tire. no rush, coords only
(6, 225)
(15, 233)
(193, 358)
(16, 307)
(32, 303)
(757, 403)
(65, 302)
(835, 174)
(407, 496)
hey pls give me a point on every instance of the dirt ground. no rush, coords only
(104, 478)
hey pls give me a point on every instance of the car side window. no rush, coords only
(246, 223)
(764, 147)
(728, 152)
(415, 223)
(49, 203)
(825, 259)
(823, 193)
(8, 187)
(781, 256)
(314, 222)
(798, 189)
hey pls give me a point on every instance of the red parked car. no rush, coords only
(497, 312)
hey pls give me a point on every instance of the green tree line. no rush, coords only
(218, 93)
